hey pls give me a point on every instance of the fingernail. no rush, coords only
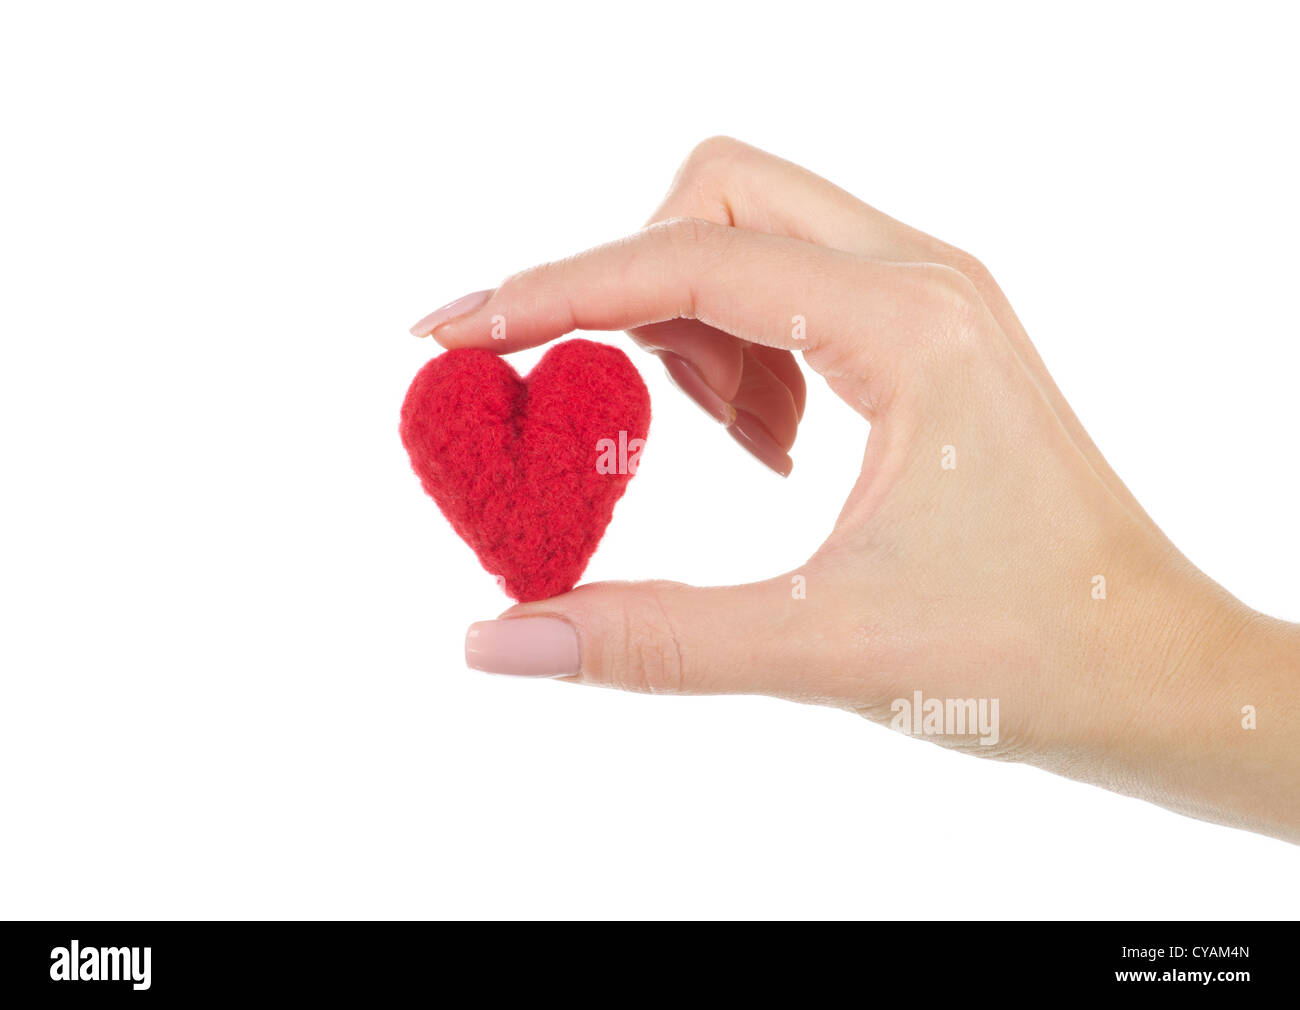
(752, 433)
(523, 647)
(687, 378)
(462, 305)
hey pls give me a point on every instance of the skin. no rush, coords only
(973, 581)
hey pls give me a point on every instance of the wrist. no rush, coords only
(1239, 762)
(1195, 704)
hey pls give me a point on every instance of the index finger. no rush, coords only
(766, 289)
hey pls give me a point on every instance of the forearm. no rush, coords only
(1239, 759)
(1207, 721)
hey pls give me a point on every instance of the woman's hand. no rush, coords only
(987, 550)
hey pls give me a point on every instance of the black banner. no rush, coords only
(144, 961)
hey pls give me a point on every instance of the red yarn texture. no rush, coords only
(513, 463)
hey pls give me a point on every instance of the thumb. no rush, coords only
(657, 637)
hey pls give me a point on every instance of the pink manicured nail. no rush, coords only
(687, 378)
(461, 306)
(752, 433)
(523, 647)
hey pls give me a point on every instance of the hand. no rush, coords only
(968, 560)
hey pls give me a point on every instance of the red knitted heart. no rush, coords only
(528, 470)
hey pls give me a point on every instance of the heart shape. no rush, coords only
(528, 471)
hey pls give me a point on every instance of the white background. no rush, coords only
(232, 624)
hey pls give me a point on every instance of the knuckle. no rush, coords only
(971, 268)
(709, 153)
(940, 253)
(696, 247)
(649, 657)
(689, 233)
(947, 286)
(954, 306)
